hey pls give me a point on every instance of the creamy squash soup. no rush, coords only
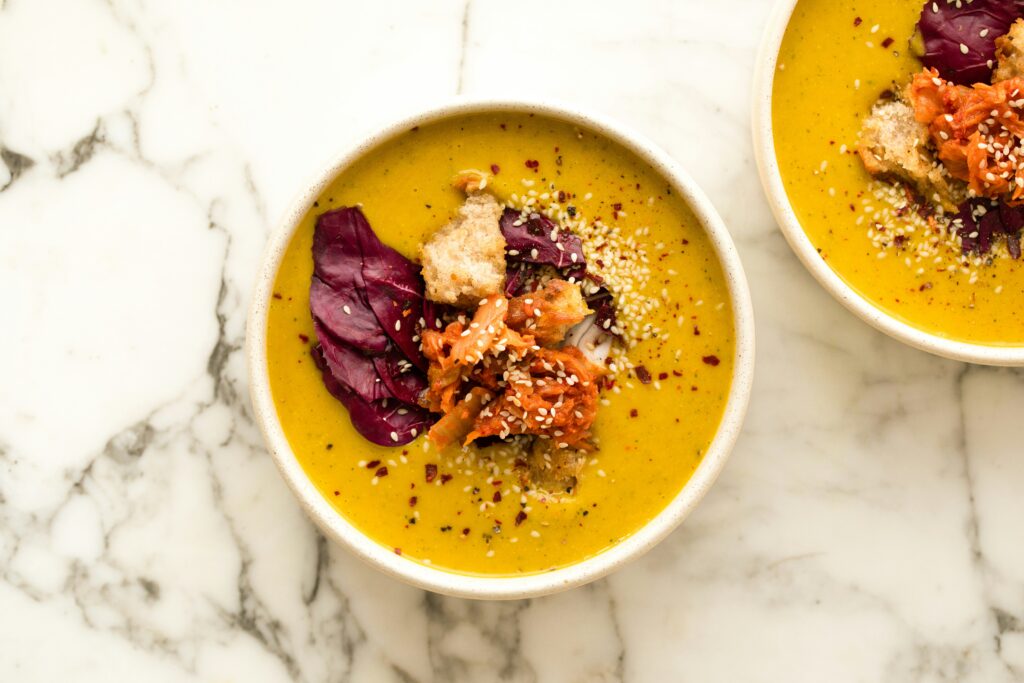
(499, 344)
(898, 134)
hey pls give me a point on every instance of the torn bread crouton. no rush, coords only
(1010, 53)
(553, 469)
(894, 146)
(464, 261)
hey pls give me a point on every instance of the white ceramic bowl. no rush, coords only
(768, 167)
(339, 529)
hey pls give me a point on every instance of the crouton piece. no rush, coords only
(1010, 53)
(553, 469)
(464, 261)
(893, 146)
(549, 312)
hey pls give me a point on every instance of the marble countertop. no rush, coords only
(867, 528)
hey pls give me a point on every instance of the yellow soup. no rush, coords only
(830, 73)
(651, 436)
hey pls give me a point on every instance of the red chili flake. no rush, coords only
(496, 482)
(925, 287)
(520, 518)
(431, 472)
(642, 374)
(711, 360)
(495, 169)
(445, 478)
(276, 295)
(497, 497)
(381, 472)
(617, 206)
(696, 331)
(633, 412)
(676, 373)
(398, 551)
(532, 163)
(337, 493)
(857, 21)
(465, 532)
(373, 463)
(887, 42)
(304, 338)
(662, 375)
(412, 502)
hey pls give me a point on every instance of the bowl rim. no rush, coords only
(343, 532)
(771, 180)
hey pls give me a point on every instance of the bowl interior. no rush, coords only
(771, 179)
(501, 587)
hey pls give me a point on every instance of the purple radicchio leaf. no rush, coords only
(967, 226)
(399, 376)
(603, 306)
(515, 280)
(538, 239)
(386, 422)
(978, 230)
(350, 258)
(394, 289)
(346, 315)
(337, 247)
(1013, 245)
(989, 226)
(355, 370)
(432, 314)
(1012, 218)
(947, 28)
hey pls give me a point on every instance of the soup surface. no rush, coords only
(652, 436)
(835, 61)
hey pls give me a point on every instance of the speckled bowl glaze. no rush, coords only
(771, 179)
(474, 586)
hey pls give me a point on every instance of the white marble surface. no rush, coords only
(868, 527)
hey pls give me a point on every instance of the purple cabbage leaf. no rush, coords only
(386, 422)
(399, 376)
(945, 29)
(351, 368)
(981, 221)
(367, 302)
(531, 242)
(346, 315)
